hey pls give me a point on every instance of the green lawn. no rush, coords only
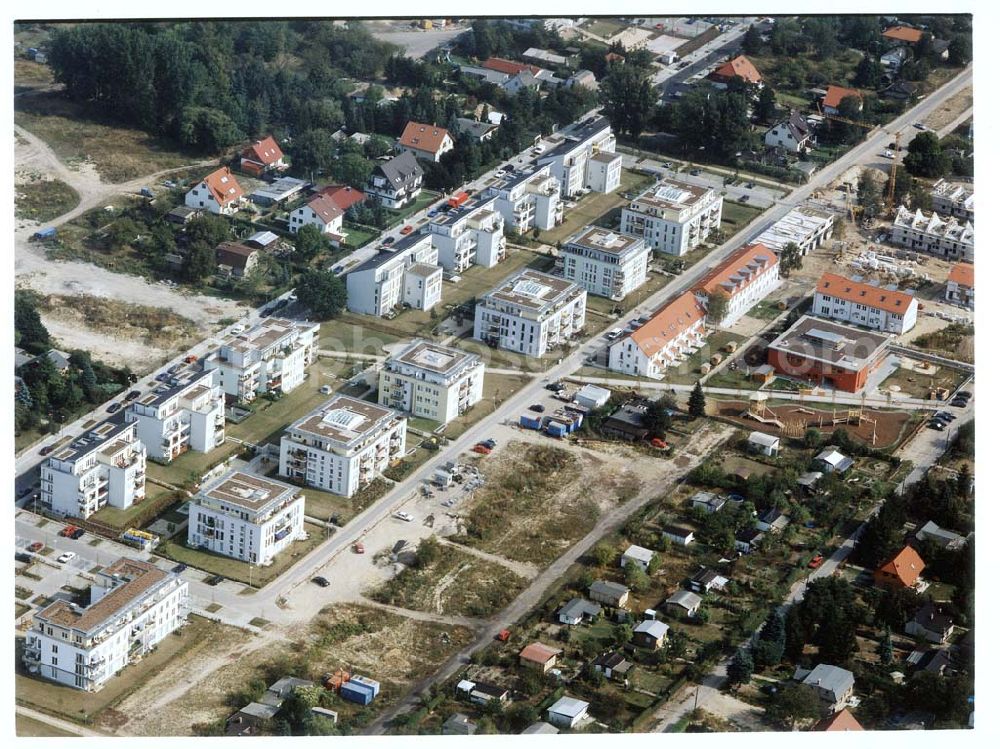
(603, 28)
(496, 389)
(123, 519)
(358, 235)
(424, 199)
(191, 466)
(358, 334)
(766, 310)
(590, 208)
(323, 505)
(737, 215)
(603, 306)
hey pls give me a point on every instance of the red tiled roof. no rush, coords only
(343, 195)
(423, 137)
(839, 721)
(905, 566)
(738, 67)
(836, 94)
(903, 34)
(538, 652)
(264, 151)
(223, 186)
(864, 293)
(743, 259)
(325, 208)
(509, 66)
(962, 274)
(670, 322)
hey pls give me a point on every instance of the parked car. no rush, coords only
(326, 390)
(179, 568)
(20, 556)
(215, 580)
(359, 548)
(888, 154)
(503, 635)
(36, 546)
(481, 450)
(133, 395)
(490, 443)
(338, 268)
(695, 172)
(163, 376)
(964, 394)
(321, 581)
(744, 198)
(538, 408)
(46, 450)
(919, 126)
(613, 334)
(658, 443)
(68, 531)
(937, 426)
(554, 386)
(944, 416)
(816, 561)
(78, 533)
(388, 240)
(114, 407)
(406, 230)
(400, 515)
(66, 556)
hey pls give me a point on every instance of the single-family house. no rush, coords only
(831, 460)
(809, 480)
(217, 193)
(578, 610)
(458, 724)
(900, 35)
(832, 684)
(748, 540)
(262, 156)
(608, 593)
(425, 141)
(794, 134)
(567, 712)
(740, 68)
(679, 534)
(708, 502)
(628, 422)
(396, 182)
(638, 554)
(613, 665)
(772, 521)
(344, 196)
(59, 359)
(893, 59)
(236, 259)
(933, 622)
(902, 571)
(842, 720)
(478, 131)
(539, 656)
(683, 602)
(539, 727)
(764, 444)
(934, 533)
(935, 660)
(961, 288)
(322, 213)
(706, 579)
(835, 96)
(482, 692)
(650, 633)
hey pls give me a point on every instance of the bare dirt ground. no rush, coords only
(950, 109)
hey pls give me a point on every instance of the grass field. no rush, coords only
(357, 235)
(496, 389)
(123, 519)
(735, 216)
(190, 466)
(44, 200)
(423, 200)
(30, 74)
(603, 28)
(590, 208)
(25, 726)
(603, 306)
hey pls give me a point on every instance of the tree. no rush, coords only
(868, 72)
(790, 259)
(717, 306)
(813, 437)
(428, 551)
(207, 229)
(740, 668)
(323, 293)
(869, 194)
(774, 629)
(309, 242)
(635, 578)
(657, 417)
(604, 553)
(752, 41)
(628, 97)
(793, 704)
(30, 334)
(885, 652)
(199, 263)
(696, 401)
(960, 50)
(925, 157)
(123, 233)
(764, 106)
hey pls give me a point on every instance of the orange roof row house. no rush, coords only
(667, 324)
(738, 269)
(860, 292)
(738, 67)
(509, 66)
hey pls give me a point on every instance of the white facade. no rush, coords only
(954, 199)
(864, 304)
(378, 285)
(106, 466)
(342, 446)
(570, 160)
(530, 313)
(174, 418)
(948, 238)
(673, 217)
(792, 134)
(246, 517)
(470, 234)
(805, 228)
(961, 288)
(604, 172)
(422, 286)
(746, 277)
(605, 263)
(270, 357)
(528, 200)
(218, 193)
(320, 212)
(133, 606)
(431, 381)
(671, 335)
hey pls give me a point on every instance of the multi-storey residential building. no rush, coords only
(270, 357)
(106, 466)
(604, 263)
(604, 172)
(528, 200)
(961, 288)
(948, 238)
(570, 160)
(218, 193)
(828, 354)
(186, 413)
(673, 217)
(674, 332)
(407, 273)
(343, 445)
(745, 277)
(805, 228)
(432, 381)
(530, 313)
(953, 199)
(470, 234)
(396, 182)
(246, 517)
(865, 304)
(133, 606)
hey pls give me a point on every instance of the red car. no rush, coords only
(816, 561)
(406, 229)
(658, 443)
(503, 635)
(481, 449)
(359, 548)
(68, 531)
(37, 546)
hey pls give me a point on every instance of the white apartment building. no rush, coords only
(671, 335)
(949, 238)
(343, 445)
(469, 234)
(570, 160)
(246, 517)
(186, 413)
(432, 381)
(673, 217)
(379, 284)
(745, 277)
(805, 228)
(856, 302)
(953, 199)
(270, 357)
(605, 263)
(528, 200)
(530, 313)
(106, 466)
(133, 606)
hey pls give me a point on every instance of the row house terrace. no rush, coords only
(946, 237)
(675, 332)
(745, 278)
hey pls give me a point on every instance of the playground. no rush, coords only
(874, 427)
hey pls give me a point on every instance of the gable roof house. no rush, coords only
(857, 302)
(650, 633)
(425, 141)
(321, 212)
(684, 602)
(577, 611)
(832, 684)
(772, 521)
(262, 156)
(902, 35)
(608, 593)
(638, 554)
(835, 96)
(708, 502)
(894, 58)
(679, 534)
(934, 533)
(663, 342)
(933, 622)
(539, 656)
(217, 193)
(832, 460)
(236, 259)
(961, 288)
(344, 196)
(765, 444)
(902, 571)
(794, 133)
(396, 182)
(745, 277)
(479, 131)
(739, 67)
(748, 540)
(841, 720)
(706, 579)
(613, 665)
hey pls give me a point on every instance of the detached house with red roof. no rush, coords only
(745, 277)
(321, 212)
(218, 193)
(739, 67)
(344, 196)
(835, 96)
(425, 141)
(262, 156)
(902, 571)
(961, 288)
(842, 720)
(671, 335)
(902, 35)
(860, 303)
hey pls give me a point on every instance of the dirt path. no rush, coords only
(425, 616)
(524, 569)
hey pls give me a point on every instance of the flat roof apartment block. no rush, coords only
(946, 237)
(432, 381)
(133, 606)
(187, 413)
(387, 280)
(827, 353)
(570, 160)
(470, 234)
(246, 517)
(343, 445)
(529, 199)
(673, 217)
(530, 313)
(106, 466)
(604, 262)
(805, 228)
(270, 357)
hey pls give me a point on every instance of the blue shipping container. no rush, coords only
(531, 422)
(556, 429)
(354, 692)
(366, 682)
